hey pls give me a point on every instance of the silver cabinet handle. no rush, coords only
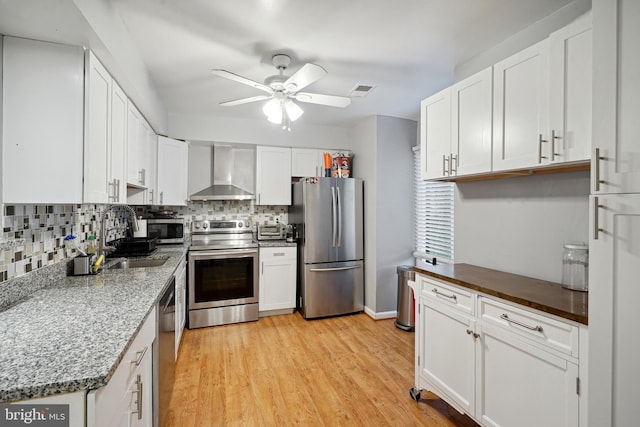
(445, 162)
(596, 166)
(553, 145)
(117, 191)
(161, 197)
(540, 141)
(453, 158)
(150, 197)
(596, 219)
(140, 356)
(278, 254)
(437, 292)
(533, 328)
(138, 392)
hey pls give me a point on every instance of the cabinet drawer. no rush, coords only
(541, 329)
(275, 253)
(450, 295)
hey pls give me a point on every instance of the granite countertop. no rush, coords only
(275, 243)
(548, 297)
(72, 334)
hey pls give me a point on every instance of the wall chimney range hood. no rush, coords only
(233, 175)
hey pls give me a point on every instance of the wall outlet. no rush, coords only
(277, 219)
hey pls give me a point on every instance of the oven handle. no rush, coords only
(217, 254)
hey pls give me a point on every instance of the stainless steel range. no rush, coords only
(223, 273)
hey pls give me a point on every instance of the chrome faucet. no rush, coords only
(102, 247)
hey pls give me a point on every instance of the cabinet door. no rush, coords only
(172, 172)
(273, 175)
(614, 293)
(118, 153)
(523, 385)
(43, 110)
(471, 124)
(97, 143)
(277, 278)
(616, 87)
(181, 305)
(447, 354)
(305, 162)
(134, 140)
(520, 115)
(570, 92)
(435, 135)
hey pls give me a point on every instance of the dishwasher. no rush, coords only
(164, 356)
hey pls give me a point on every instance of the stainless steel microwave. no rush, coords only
(167, 230)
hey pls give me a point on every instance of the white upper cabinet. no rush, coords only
(456, 129)
(570, 92)
(43, 108)
(306, 162)
(520, 115)
(136, 142)
(173, 159)
(471, 124)
(435, 134)
(273, 176)
(616, 124)
(105, 136)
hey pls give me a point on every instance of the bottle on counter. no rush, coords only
(91, 245)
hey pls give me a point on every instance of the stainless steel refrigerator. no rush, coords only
(327, 214)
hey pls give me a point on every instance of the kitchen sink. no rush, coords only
(138, 263)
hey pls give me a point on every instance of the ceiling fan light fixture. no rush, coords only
(273, 110)
(293, 110)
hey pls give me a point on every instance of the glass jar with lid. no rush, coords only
(575, 267)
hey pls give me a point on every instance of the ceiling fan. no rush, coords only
(283, 90)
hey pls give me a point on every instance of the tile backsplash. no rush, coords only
(33, 235)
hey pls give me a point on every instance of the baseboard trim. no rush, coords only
(380, 316)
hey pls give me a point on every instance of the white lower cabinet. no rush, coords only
(181, 302)
(127, 399)
(500, 363)
(277, 279)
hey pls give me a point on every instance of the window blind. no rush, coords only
(433, 203)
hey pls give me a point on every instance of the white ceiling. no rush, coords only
(407, 49)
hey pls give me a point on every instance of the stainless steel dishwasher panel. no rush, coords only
(164, 362)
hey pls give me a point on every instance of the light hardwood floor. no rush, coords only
(284, 370)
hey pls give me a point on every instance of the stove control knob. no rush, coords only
(239, 224)
(205, 225)
(196, 225)
(246, 224)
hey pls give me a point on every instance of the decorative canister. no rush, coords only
(575, 267)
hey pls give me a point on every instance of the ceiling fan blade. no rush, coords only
(231, 76)
(317, 98)
(306, 75)
(245, 100)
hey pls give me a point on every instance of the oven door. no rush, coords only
(223, 278)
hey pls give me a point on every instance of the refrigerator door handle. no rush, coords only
(334, 219)
(335, 268)
(339, 223)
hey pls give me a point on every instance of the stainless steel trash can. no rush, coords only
(405, 318)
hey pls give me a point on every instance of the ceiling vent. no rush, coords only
(360, 91)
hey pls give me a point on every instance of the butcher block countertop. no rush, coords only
(548, 297)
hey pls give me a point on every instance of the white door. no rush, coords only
(273, 175)
(118, 155)
(134, 136)
(570, 100)
(471, 124)
(435, 135)
(97, 143)
(172, 172)
(614, 349)
(447, 353)
(277, 278)
(520, 115)
(616, 109)
(523, 385)
(305, 162)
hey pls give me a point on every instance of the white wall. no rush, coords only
(519, 225)
(364, 166)
(261, 132)
(525, 38)
(384, 161)
(394, 206)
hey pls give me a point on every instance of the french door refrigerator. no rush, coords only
(327, 214)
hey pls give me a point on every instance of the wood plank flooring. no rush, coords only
(286, 371)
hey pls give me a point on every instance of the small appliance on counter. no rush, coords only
(134, 246)
(168, 230)
(272, 231)
(82, 265)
